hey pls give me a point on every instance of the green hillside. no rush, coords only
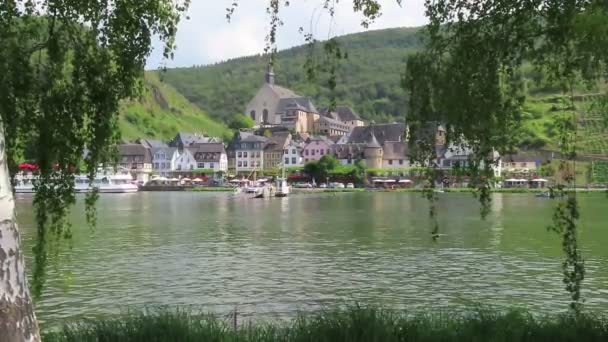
(162, 111)
(369, 79)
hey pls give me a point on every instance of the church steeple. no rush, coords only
(270, 74)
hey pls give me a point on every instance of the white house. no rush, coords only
(162, 160)
(211, 157)
(293, 155)
(183, 161)
(458, 155)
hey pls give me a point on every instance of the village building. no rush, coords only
(521, 162)
(272, 102)
(249, 152)
(275, 150)
(315, 148)
(162, 160)
(274, 105)
(293, 154)
(395, 155)
(211, 157)
(182, 140)
(137, 159)
(183, 161)
(330, 126)
(348, 154)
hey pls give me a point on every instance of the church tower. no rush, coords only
(269, 74)
(373, 152)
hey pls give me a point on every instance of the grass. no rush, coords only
(162, 111)
(352, 324)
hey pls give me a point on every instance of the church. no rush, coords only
(274, 105)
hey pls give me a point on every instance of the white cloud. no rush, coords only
(208, 38)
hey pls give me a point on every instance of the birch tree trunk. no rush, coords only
(17, 318)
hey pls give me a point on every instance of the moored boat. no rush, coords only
(105, 182)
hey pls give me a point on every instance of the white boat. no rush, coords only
(104, 183)
(282, 188)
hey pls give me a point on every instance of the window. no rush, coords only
(245, 163)
(239, 154)
(306, 153)
(400, 161)
(286, 160)
(306, 160)
(201, 165)
(212, 165)
(293, 151)
(313, 152)
(285, 151)
(327, 151)
(293, 160)
(321, 152)
(252, 115)
(265, 116)
(390, 162)
(240, 164)
(244, 154)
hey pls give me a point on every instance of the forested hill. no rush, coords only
(369, 79)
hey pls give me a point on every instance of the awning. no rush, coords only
(186, 179)
(405, 181)
(540, 180)
(512, 180)
(378, 180)
(390, 181)
(174, 180)
(197, 180)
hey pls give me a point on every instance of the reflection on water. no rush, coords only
(273, 257)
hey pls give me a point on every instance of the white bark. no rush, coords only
(17, 319)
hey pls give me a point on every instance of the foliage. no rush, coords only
(372, 88)
(160, 112)
(354, 323)
(320, 170)
(239, 121)
(470, 77)
(64, 69)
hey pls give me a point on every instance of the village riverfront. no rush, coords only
(290, 132)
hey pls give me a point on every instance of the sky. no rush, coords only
(207, 37)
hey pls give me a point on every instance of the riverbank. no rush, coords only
(351, 324)
(445, 190)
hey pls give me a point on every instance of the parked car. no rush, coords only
(323, 185)
(350, 186)
(337, 185)
(303, 185)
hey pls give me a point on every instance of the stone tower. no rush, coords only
(269, 74)
(373, 152)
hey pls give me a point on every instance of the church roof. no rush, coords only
(282, 92)
(382, 133)
(372, 141)
(300, 103)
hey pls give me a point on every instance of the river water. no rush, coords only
(272, 258)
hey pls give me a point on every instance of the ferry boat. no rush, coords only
(103, 182)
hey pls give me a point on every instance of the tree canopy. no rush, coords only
(64, 68)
